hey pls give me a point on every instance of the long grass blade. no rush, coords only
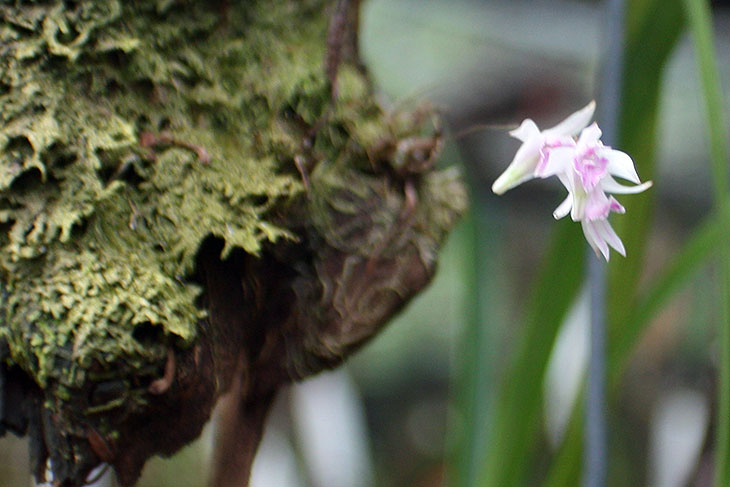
(518, 411)
(474, 382)
(700, 22)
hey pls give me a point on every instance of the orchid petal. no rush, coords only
(574, 123)
(516, 174)
(557, 161)
(564, 208)
(527, 130)
(528, 153)
(577, 212)
(522, 167)
(620, 164)
(594, 239)
(567, 181)
(597, 206)
(610, 185)
(590, 136)
(606, 232)
(615, 206)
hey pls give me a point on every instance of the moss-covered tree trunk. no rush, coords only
(192, 207)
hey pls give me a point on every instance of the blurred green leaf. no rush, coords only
(700, 23)
(518, 411)
(702, 245)
(567, 464)
(474, 377)
(648, 45)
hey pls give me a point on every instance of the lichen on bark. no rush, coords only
(148, 148)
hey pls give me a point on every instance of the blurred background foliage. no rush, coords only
(476, 383)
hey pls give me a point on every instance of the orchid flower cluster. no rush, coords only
(573, 151)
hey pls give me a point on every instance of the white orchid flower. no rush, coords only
(587, 171)
(536, 145)
(585, 166)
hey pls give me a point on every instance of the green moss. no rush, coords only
(132, 131)
(99, 232)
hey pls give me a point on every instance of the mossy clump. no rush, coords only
(130, 132)
(135, 133)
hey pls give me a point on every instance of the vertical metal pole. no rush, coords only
(596, 441)
(595, 466)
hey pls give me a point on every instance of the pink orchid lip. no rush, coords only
(590, 167)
